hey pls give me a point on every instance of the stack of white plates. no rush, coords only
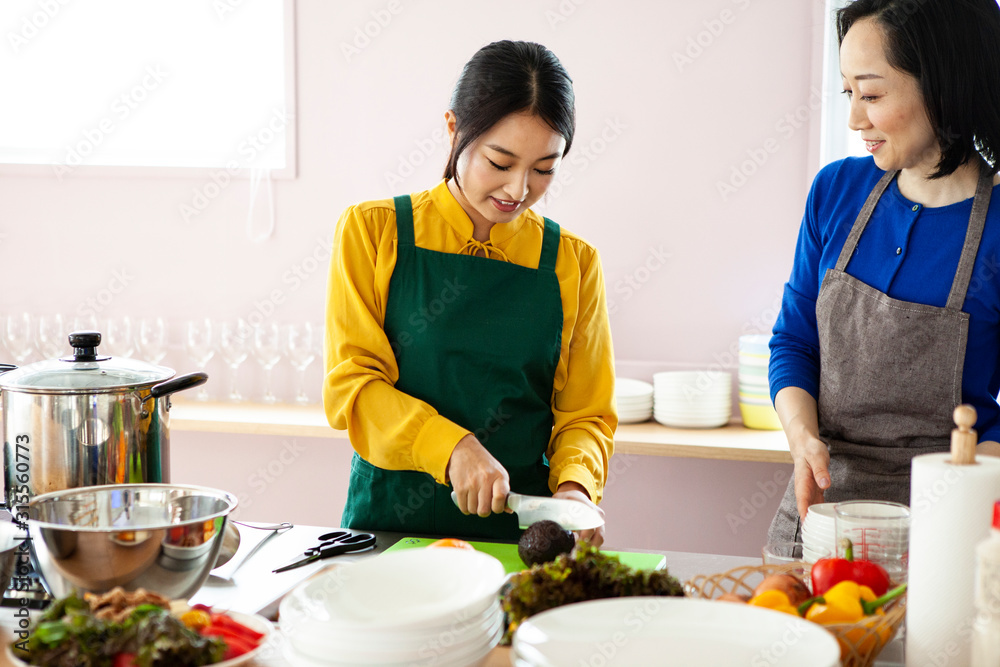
(634, 399)
(434, 606)
(819, 533)
(670, 631)
(755, 392)
(692, 399)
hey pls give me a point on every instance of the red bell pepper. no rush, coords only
(828, 572)
(124, 660)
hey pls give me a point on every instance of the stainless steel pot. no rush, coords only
(86, 420)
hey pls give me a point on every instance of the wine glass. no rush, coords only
(117, 338)
(199, 340)
(234, 344)
(301, 352)
(51, 336)
(152, 339)
(267, 349)
(17, 334)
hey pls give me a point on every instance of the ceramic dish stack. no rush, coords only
(634, 399)
(755, 395)
(435, 607)
(692, 399)
(670, 631)
(819, 533)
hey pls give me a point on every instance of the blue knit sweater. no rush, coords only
(910, 255)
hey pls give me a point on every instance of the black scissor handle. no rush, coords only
(352, 543)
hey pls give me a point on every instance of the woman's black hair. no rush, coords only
(509, 77)
(952, 47)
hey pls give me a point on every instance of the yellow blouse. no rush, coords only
(395, 431)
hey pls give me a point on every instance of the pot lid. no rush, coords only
(84, 371)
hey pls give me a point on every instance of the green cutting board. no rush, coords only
(507, 554)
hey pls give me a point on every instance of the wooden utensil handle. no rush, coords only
(964, 438)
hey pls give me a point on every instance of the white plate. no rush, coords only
(252, 621)
(629, 388)
(688, 423)
(394, 591)
(676, 631)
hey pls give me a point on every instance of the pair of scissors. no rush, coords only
(332, 544)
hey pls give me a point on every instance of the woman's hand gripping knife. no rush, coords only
(481, 485)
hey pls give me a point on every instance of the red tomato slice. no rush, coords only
(224, 621)
(235, 645)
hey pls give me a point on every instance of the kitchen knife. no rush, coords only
(570, 514)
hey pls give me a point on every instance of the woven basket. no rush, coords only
(860, 643)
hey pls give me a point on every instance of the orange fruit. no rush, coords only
(452, 542)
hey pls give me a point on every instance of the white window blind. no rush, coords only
(147, 83)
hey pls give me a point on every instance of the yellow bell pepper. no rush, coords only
(841, 604)
(850, 603)
(776, 600)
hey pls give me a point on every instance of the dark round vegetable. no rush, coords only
(542, 541)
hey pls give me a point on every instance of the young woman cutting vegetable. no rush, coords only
(468, 344)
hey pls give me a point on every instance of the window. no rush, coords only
(176, 86)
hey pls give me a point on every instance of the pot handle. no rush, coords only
(7, 367)
(178, 384)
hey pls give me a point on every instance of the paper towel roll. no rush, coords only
(951, 512)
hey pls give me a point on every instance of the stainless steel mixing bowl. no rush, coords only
(161, 537)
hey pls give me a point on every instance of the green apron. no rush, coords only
(477, 339)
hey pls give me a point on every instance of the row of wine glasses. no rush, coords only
(236, 340)
(27, 337)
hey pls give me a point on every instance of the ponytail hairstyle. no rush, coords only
(510, 77)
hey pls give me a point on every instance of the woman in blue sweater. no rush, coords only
(891, 316)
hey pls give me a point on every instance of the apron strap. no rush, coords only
(550, 247)
(404, 220)
(977, 220)
(862, 220)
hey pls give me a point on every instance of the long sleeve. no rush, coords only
(583, 405)
(794, 358)
(388, 428)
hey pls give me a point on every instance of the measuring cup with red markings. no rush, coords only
(880, 532)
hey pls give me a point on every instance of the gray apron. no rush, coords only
(890, 374)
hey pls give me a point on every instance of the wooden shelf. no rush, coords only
(733, 442)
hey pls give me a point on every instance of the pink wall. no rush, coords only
(675, 99)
